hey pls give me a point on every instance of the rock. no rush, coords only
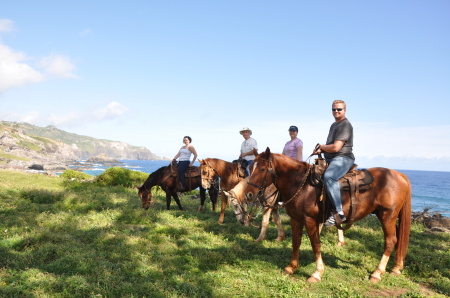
(36, 167)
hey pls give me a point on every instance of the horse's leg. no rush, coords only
(264, 224)
(177, 200)
(213, 194)
(168, 200)
(341, 239)
(313, 233)
(390, 239)
(277, 220)
(223, 207)
(202, 199)
(297, 230)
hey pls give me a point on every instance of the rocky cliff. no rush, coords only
(23, 144)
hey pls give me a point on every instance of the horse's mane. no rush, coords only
(154, 177)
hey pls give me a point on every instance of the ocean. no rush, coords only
(430, 188)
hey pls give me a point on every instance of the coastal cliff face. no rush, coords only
(23, 144)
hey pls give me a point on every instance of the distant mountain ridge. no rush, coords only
(22, 144)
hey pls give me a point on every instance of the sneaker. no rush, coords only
(330, 221)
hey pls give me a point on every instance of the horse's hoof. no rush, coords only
(313, 279)
(279, 239)
(341, 243)
(259, 239)
(375, 279)
(396, 273)
(289, 270)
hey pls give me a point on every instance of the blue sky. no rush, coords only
(150, 72)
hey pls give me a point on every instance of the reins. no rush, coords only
(262, 188)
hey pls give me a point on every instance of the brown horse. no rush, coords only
(167, 179)
(389, 198)
(236, 197)
(229, 177)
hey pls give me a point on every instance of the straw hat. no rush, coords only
(246, 129)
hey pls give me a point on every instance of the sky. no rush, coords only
(151, 72)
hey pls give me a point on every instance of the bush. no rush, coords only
(69, 174)
(117, 176)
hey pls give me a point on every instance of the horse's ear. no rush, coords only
(200, 161)
(267, 152)
(138, 186)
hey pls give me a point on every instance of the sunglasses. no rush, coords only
(339, 109)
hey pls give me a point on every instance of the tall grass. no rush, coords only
(63, 238)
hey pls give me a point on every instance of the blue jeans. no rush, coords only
(247, 169)
(182, 166)
(337, 168)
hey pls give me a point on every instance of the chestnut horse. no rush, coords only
(164, 177)
(229, 177)
(389, 198)
(236, 197)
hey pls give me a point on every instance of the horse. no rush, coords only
(236, 197)
(229, 177)
(389, 198)
(166, 177)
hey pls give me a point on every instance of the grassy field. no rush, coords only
(62, 238)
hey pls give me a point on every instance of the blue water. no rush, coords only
(430, 188)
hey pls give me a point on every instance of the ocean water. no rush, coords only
(430, 188)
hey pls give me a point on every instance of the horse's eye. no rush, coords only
(262, 170)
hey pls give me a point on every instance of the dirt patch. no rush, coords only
(387, 293)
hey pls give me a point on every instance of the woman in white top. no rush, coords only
(184, 156)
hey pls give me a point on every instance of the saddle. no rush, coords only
(353, 182)
(192, 172)
(241, 167)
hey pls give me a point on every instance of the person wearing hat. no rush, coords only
(249, 147)
(294, 148)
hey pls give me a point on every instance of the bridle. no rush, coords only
(262, 188)
(208, 177)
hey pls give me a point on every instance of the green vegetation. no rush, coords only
(117, 176)
(12, 156)
(71, 174)
(63, 238)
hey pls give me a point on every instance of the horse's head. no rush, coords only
(207, 173)
(145, 195)
(236, 199)
(262, 175)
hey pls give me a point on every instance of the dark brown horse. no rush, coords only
(167, 179)
(389, 198)
(229, 177)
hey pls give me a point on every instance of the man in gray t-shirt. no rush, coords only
(338, 153)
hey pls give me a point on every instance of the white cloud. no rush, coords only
(112, 110)
(58, 65)
(13, 72)
(6, 25)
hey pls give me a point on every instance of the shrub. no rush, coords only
(69, 174)
(117, 176)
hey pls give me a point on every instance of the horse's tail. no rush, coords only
(404, 223)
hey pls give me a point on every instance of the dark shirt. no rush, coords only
(341, 131)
